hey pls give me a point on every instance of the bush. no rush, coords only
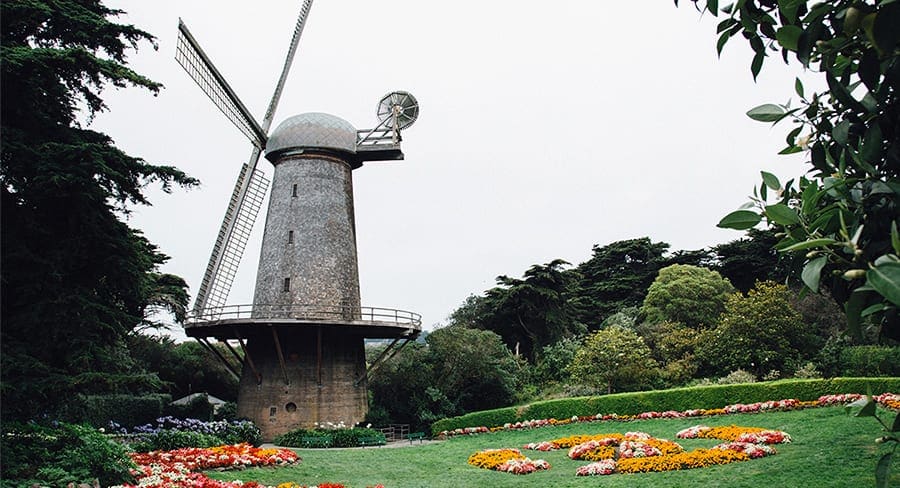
(226, 412)
(339, 437)
(126, 410)
(737, 376)
(679, 399)
(870, 361)
(59, 455)
(198, 408)
(170, 431)
(169, 439)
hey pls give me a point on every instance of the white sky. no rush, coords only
(545, 128)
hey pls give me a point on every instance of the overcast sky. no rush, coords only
(545, 128)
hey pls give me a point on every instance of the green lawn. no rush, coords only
(830, 449)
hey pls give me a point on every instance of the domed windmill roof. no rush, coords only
(312, 130)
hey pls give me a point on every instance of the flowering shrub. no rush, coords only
(638, 452)
(753, 450)
(765, 437)
(692, 432)
(699, 458)
(540, 446)
(592, 451)
(175, 469)
(491, 458)
(523, 466)
(637, 449)
(172, 433)
(606, 466)
(603, 439)
(726, 432)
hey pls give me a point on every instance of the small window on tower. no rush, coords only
(294, 190)
(290, 237)
(287, 285)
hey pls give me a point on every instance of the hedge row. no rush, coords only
(678, 399)
(126, 410)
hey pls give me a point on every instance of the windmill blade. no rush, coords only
(249, 190)
(192, 58)
(246, 200)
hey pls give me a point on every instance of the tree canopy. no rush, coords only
(692, 296)
(616, 277)
(74, 274)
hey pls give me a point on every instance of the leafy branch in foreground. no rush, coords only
(867, 408)
(842, 217)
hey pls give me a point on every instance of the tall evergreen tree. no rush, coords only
(617, 276)
(75, 278)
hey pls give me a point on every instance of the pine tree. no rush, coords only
(76, 279)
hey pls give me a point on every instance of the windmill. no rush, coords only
(302, 358)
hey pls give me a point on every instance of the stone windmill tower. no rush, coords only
(299, 347)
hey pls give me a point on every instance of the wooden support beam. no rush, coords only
(319, 356)
(203, 341)
(284, 373)
(247, 357)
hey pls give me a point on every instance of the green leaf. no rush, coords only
(812, 243)
(865, 405)
(770, 180)
(789, 37)
(766, 113)
(798, 87)
(885, 278)
(756, 64)
(883, 471)
(789, 9)
(712, 6)
(885, 31)
(873, 309)
(781, 214)
(870, 149)
(841, 132)
(812, 272)
(853, 309)
(740, 220)
(895, 237)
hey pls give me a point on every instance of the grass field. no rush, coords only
(830, 449)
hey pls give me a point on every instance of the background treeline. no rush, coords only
(633, 317)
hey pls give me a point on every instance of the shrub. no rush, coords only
(226, 412)
(59, 455)
(198, 408)
(339, 437)
(870, 361)
(126, 410)
(737, 376)
(171, 431)
(169, 439)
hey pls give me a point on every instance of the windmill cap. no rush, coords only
(312, 130)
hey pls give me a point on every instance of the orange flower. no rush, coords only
(491, 458)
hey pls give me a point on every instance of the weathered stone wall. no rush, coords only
(317, 390)
(310, 236)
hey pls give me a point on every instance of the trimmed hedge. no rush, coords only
(339, 437)
(125, 410)
(678, 399)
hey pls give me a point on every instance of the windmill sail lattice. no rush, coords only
(251, 185)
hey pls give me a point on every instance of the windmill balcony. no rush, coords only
(227, 322)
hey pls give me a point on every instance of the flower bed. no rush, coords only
(638, 452)
(888, 400)
(177, 468)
